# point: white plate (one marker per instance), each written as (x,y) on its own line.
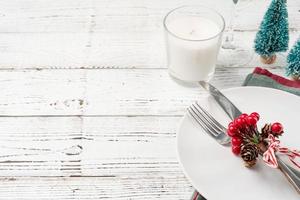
(215,172)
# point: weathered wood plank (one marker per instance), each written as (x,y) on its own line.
(121,16)
(103,92)
(107,34)
(104,51)
(140,50)
(136,154)
(40,146)
(88,146)
(95,188)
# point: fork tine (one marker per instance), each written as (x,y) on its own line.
(206,120)
(213,120)
(200,121)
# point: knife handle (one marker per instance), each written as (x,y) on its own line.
(289,174)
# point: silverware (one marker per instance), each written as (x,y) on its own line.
(218,132)
(209,124)
(232,111)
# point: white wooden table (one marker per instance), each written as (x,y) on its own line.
(87,108)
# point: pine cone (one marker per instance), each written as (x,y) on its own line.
(249,153)
(265,132)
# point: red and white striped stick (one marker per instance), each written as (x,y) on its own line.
(269,156)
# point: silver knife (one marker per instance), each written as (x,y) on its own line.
(233,112)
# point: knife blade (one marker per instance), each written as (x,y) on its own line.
(231,110)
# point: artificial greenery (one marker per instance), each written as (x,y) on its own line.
(273,35)
(293,60)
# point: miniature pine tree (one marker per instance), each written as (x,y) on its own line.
(273,35)
(293,60)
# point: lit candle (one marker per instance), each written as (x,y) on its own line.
(193,39)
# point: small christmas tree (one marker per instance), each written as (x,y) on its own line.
(273,35)
(293,60)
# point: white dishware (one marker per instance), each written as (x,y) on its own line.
(215,172)
(193,37)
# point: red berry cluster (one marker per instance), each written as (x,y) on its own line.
(239,127)
(244,129)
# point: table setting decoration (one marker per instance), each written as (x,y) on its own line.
(189,150)
(265,79)
(248,142)
(293,60)
(273,34)
(189,46)
(192,53)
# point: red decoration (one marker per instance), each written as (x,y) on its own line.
(277,128)
(274,146)
(236,149)
(236,141)
(248,142)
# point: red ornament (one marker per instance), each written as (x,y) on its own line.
(232,131)
(247,141)
(255,114)
(236,141)
(230,124)
(243,116)
(251,120)
(239,123)
(236,149)
(277,128)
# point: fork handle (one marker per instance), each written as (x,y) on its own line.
(289,174)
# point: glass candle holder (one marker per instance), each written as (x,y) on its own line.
(193,37)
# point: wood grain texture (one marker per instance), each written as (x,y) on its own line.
(126,16)
(87,108)
(116,158)
(103,92)
(88,146)
(94,188)
(107,51)
(108,34)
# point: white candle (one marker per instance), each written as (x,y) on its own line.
(193,44)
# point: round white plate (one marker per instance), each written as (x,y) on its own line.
(215,172)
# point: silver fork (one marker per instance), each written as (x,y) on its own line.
(218,132)
(209,124)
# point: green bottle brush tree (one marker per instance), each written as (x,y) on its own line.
(293,60)
(273,34)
